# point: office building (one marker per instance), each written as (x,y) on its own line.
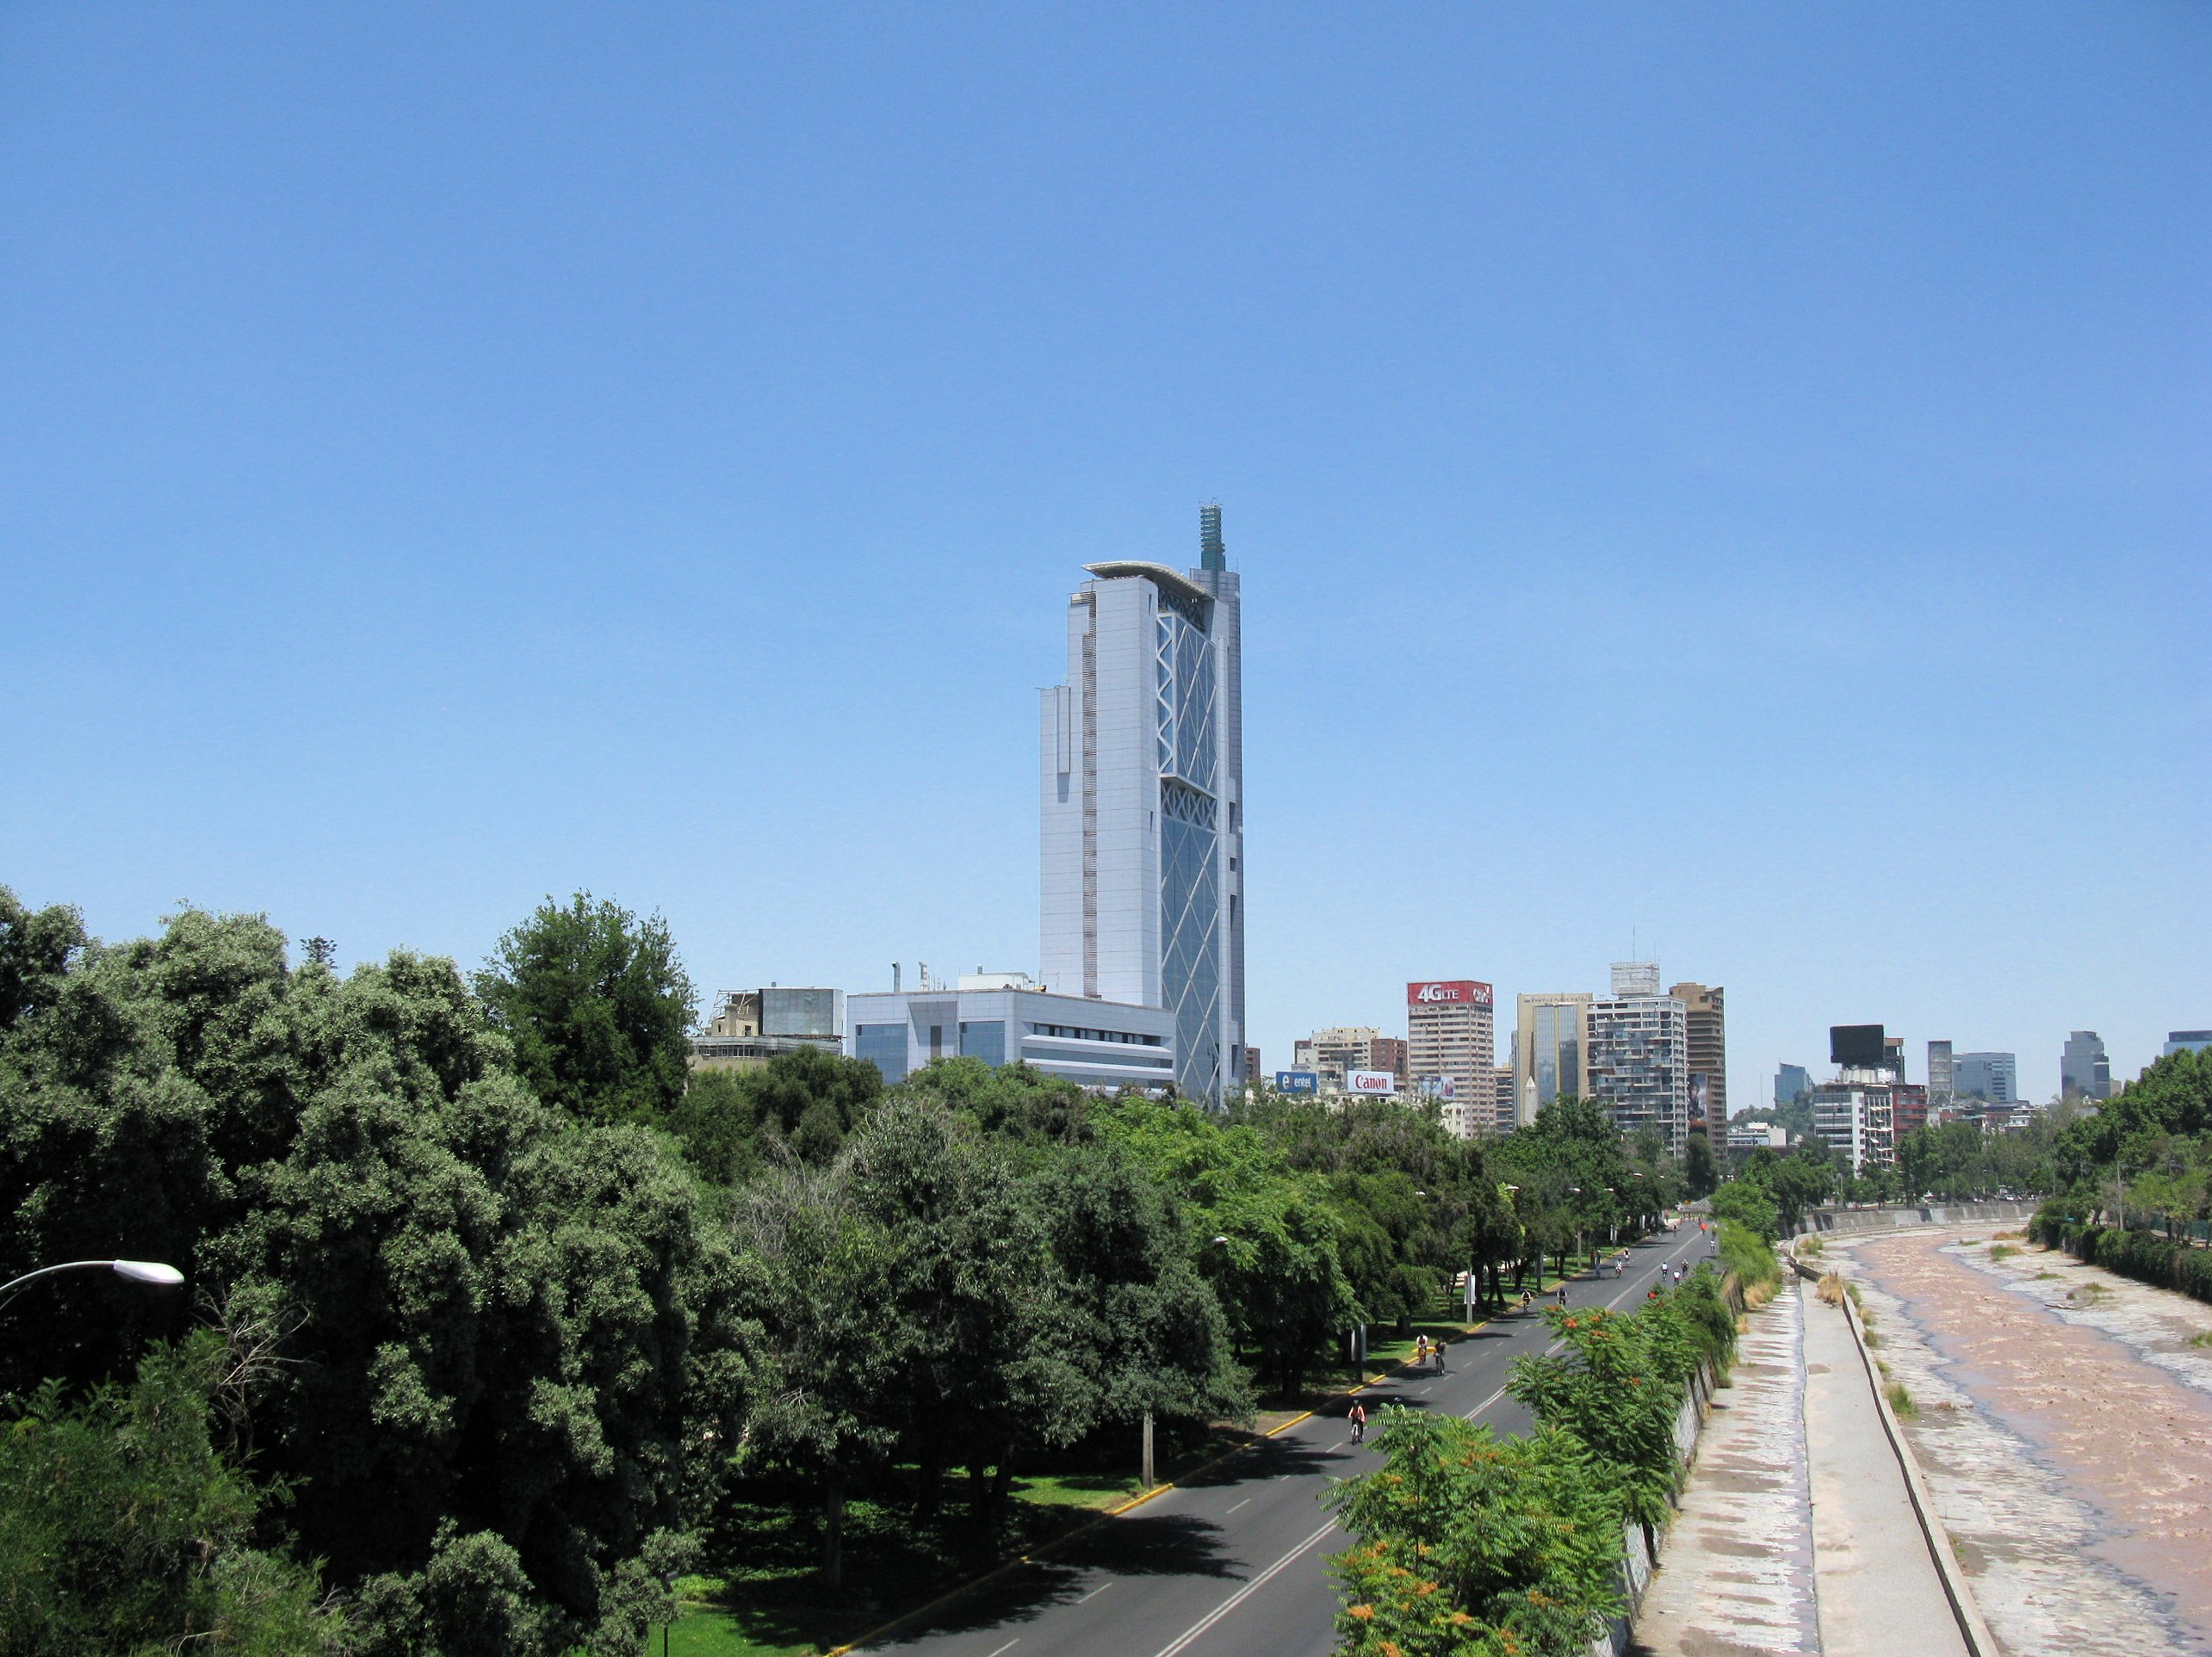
(1791,1083)
(1858,1119)
(1941,1083)
(2083,1069)
(1707,1029)
(751,1027)
(1892,1055)
(1550,1035)
(2186,1040)
(1450,1033)
(1103,1044)
(1637,1063)
(1747,1136)
(1142,769)
(1334,1053)
(1994,1077)
(1505,1113)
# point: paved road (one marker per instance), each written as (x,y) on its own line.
(1230,1562)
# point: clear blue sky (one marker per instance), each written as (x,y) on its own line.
(1735,477)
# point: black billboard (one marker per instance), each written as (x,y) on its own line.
(1856,1047)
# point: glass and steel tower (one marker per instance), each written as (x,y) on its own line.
(1143,804)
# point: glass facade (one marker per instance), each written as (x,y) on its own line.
(984,1039)
(1557,1060)
(883,1046)
(1190,953)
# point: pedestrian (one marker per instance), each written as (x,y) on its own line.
(1358,1417)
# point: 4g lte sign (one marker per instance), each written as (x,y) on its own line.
(1458,992)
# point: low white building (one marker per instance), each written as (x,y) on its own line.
(1103,1044)
(1858,1116)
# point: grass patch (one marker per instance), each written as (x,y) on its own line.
(2002,1251)
(1809,1247)
(1873,1340)
(703,1631)
(1857,1299)
(1831,1289)
(2201,1337)
(1079,1489)
(1901,1401)
(2040,1276)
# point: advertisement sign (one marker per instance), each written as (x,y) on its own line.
(1296,1081)
(1438,1087)
(1381,1083)
(1453,991)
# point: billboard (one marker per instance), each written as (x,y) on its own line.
(1856,1047)
(1438,1087)
(1383,1084)
(1449,992)
(1296,1081)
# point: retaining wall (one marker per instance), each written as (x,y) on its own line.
(1851,1221)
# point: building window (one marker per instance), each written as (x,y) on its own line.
(986,1040)
(883,1046)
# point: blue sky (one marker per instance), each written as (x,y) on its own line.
(1732,478)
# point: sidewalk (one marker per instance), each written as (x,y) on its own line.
(1736,1574)
(1878,1592)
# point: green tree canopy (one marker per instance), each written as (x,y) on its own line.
(597,1006)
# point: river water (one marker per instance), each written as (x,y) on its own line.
(2065,1426)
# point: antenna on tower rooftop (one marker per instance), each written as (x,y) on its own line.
(1212,556)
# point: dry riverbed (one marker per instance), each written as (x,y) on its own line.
(2065,1425)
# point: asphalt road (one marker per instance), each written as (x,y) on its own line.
(1230,1565)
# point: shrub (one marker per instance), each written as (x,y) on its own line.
(1901,1401)
(1809,1247)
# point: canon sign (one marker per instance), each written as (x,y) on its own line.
(1458,992)
(1371,1081)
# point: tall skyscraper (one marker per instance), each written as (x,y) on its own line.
(1707,1026)
(1790,1081)
(1637,1063)
(1550,1037)
(1449,1033)
(1143,804)
(1992,1076)
(1940,1071)
(2082,1066)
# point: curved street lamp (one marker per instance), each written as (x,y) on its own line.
(153,1273)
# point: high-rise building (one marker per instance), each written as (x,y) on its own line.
(1505,1114)
(1992,1076)
(1940,1071)
(1707,1037)
(2186,1040)
(1790,1081)
(1143,804)
(1450,1033)
(1550,1035)
(1892,1055)
(1637,1064)
(2082,1066)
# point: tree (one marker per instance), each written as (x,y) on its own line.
(1749,1202)
(1471,1545)
(806,1100)
(597,1006)
(1700,1176)
(124,1531)
(503,1322)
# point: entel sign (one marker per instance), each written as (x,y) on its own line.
(1463,991)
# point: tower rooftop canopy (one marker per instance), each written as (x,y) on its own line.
(1160,575)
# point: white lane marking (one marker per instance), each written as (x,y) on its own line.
(1247,1502)
(1009,1645)
(1485,1404)
(1085,1600)
(1184,1639)
(1338,1445)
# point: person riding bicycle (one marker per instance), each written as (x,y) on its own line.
(1358,1416)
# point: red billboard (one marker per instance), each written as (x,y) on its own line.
(1456,992)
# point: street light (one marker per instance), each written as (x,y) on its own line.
(153,1273)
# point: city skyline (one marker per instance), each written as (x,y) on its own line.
(445,473)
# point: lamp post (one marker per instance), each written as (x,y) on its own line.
(153,1273)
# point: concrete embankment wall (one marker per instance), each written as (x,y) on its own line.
(1637,1561)
(1847,1222)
